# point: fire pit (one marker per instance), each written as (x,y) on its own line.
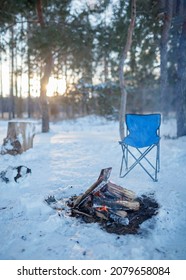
(115,208)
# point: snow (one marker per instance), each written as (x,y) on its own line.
(66,161)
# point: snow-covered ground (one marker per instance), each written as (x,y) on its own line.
(66,161)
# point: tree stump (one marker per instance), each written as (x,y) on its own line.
(19,138)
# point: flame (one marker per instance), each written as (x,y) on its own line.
(102,208)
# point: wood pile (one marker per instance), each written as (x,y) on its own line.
(117,209)
(105,200)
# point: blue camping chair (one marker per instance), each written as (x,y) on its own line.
(143,134)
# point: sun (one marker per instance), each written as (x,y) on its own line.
(56,86)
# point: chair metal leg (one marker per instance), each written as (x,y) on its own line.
(126,150)
(157,162)
(121,168)
(158,154)
(126,157)
(146,158)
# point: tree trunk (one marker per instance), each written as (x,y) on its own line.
(181,84)
(48,64)
(1,82)
(121,74)
(29,74)
(167,19)
(12,100)
(43,96)
(106,72)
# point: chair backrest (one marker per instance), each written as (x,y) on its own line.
(143,128)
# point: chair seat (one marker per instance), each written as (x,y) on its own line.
(139,141)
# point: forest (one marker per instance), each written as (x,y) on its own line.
(64,59)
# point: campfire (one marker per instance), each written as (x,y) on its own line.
(116,209)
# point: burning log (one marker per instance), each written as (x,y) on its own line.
(103,177)
(121,192)
(75,211)
(121,213)
(131,205)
